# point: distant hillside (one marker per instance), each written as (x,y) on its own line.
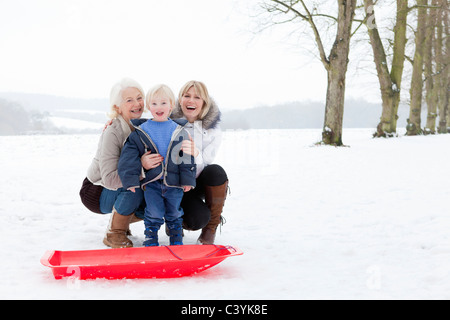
(23,113)
(15,120)
(46,113)
(305,115)
(91,110)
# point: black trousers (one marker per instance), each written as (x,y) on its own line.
(196,212)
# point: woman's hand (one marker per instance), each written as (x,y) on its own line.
(188,146)
(187,188)
(151,161)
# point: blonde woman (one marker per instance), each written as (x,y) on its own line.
(102,190)
(203,205)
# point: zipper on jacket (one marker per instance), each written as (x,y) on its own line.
(146,150)
(174,135)
(177,130)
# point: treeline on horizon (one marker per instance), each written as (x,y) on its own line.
(17,119)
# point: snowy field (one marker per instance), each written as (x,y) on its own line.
(368,221)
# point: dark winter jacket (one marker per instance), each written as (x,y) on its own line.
(178,169)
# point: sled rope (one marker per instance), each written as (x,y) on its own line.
(173,253)
(220,248)
(207,256)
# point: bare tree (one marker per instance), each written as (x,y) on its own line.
(431,50)
(442,56)
(431,82)
(390,80)
(335,63)
(414,122)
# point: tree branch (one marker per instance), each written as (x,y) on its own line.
(417,6)
(309,19)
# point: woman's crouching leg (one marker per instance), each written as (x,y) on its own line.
(125,205)
(196,212)
(215,184)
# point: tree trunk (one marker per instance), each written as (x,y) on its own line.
(431,83)
(336,71)
(442,68)
(398,58)
(414,122)
(390,83)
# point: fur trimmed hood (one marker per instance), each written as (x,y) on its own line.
(210,121)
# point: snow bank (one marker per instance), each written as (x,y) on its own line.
(369,221)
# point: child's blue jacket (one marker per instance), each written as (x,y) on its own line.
(177,170)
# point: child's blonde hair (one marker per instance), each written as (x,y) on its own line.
(160,90)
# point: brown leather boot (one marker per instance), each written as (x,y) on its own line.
(215,199)
(134,219)
(116,234)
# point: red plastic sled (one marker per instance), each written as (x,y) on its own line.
(132,263)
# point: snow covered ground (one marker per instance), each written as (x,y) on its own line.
(368,221)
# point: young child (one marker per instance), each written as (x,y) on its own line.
(164,185)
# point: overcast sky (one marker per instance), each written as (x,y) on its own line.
(81,48)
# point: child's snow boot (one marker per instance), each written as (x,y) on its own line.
(176,235)
(151,237)
(168,232)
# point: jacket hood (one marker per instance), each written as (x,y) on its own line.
(138,122)
(210,121)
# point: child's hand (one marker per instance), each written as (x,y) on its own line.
(150,161)
(132,190)
(187,188)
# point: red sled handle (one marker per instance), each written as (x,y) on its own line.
(45,260)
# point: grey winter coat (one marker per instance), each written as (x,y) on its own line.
(103,168)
